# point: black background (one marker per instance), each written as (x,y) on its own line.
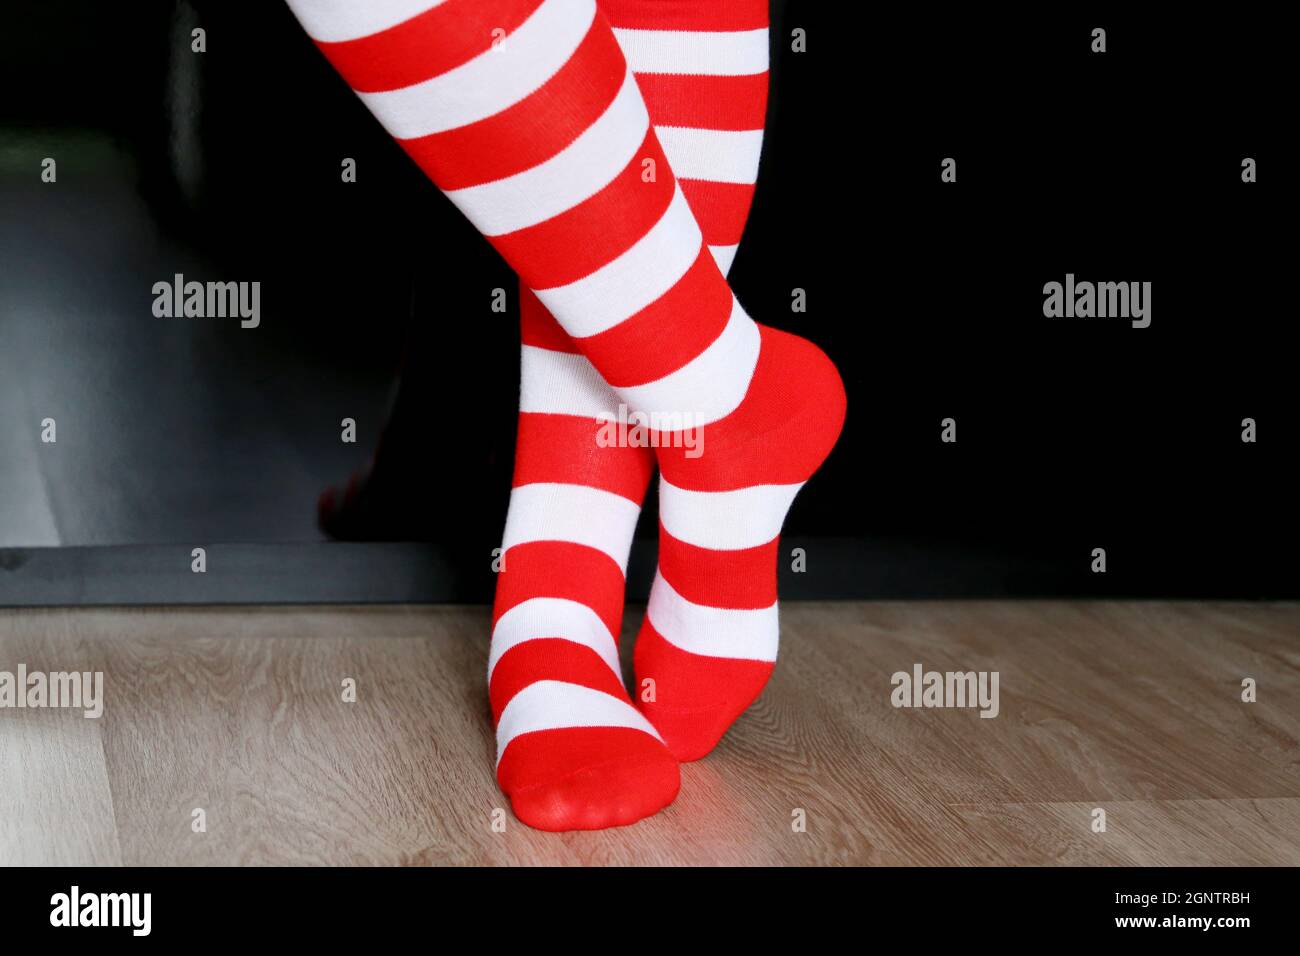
(1072,434)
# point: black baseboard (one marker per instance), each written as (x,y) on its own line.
(383,573)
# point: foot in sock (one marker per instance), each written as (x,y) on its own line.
(709,118)
(573,752)
(709,639)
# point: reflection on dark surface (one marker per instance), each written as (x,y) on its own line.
(225,166)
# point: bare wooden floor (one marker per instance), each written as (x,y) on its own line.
(1134,708)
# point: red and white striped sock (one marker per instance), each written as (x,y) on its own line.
(708,642)
(524,112)
(701,66)
(573,751)
(702,69)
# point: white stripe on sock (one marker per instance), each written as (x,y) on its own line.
(563,383)
(725,520)
(715,155)
(577,172)
(550,511)
(546,617)
(333,21)
(750,635)
(709,386)
(724,256)
(553,705)
(631,281)
(493,81)
(692,52)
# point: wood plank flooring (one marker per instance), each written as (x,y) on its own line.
(1134,708)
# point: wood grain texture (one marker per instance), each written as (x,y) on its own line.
(1132,707)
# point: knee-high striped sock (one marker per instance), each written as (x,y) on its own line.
(573,753)
(543,140)
(701,66)
(702,69)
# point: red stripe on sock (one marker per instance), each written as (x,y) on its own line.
(473,154)
(427,45)
(686,14)
(549,659)
(739,580)
(795,402)
(696,697)
(567,449)
(705,102)
(537,327)
(599,229)
(666,334)
(720,208)
(561,569)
